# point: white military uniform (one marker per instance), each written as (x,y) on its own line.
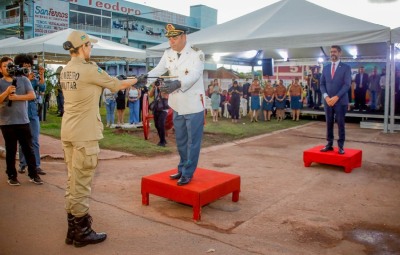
(82,84)
(189,70)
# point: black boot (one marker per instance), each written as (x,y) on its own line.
(84,234)
(70,234)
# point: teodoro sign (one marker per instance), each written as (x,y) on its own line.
(115,7)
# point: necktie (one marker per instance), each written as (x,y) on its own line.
(361,76)
(333,69)
(179,54)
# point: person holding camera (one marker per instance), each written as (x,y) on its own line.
(15,91)
(160,110)
(186,98)
(82,82)
(39,86)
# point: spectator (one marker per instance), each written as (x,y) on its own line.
(109,99)
(254,90)
(235,93)
(160,111)
(133,104)
(14,121)
(268,100)
(360,90)
(374,89)
(247,94)
(39,86)
(280,100)
(215,100)
(296,99)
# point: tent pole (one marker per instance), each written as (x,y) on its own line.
(386,95)
(392,88)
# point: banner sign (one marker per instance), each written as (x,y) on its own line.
(50,16)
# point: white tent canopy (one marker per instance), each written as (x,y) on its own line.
(9,41)
(395,35)
(51,49)
(301,28)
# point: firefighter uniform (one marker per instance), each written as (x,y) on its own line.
(82,83)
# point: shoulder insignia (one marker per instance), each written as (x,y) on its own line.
(100,70)
(194,48)
(201,57)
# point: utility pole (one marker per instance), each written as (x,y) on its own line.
(21,19)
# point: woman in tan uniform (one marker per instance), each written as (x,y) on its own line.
(82,83)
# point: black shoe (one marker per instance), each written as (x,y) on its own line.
(22,170)
(36,180)
(175,176)
(183,181)
(161,144)
(40,171)
(341,151)
(13,181)
(326,148)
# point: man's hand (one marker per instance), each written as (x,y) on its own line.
(11,89)
(141,81)
(331,101)
(170,86)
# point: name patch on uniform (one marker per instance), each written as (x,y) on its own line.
(68,80)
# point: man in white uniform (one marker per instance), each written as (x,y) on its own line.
(186,98)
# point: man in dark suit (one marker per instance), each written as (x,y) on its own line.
(335,84)
(360,90)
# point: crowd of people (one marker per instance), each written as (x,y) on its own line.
(270,99)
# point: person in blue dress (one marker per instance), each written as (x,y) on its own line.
(254,90)
(215,99)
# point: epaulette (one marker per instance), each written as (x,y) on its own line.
(195,49)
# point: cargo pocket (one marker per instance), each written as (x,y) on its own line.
(86,157)
(91,157)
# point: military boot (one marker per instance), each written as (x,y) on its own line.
(71,227)
(84,234)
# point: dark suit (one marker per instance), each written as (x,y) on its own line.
(360,91)
(339,86)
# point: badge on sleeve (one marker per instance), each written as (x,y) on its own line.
(100,70)
(201,57)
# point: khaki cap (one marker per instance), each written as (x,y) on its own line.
(78,38)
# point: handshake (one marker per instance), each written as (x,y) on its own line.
(165,86)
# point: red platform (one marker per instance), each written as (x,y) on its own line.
(205,187)
(350,160)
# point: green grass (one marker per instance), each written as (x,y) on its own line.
(132,141)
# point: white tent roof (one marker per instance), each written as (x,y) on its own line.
(395,35)
(301,28)
(9,41)
(51,46)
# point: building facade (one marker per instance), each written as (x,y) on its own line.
(125,22)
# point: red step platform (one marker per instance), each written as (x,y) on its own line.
(350,160)
(205,187)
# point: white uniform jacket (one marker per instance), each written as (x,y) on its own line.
(189,70)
